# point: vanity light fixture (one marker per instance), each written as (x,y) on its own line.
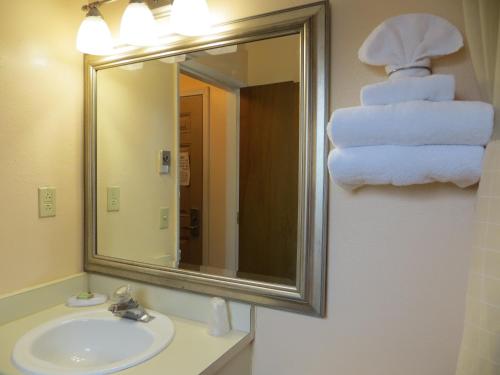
(94,36)
(190,17)
(138,28)
(138,25)
(223,50)
(173,59)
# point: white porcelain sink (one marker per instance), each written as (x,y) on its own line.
(90,343)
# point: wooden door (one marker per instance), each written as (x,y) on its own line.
(191,181)
(269,140)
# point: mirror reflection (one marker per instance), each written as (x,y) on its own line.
(198,160)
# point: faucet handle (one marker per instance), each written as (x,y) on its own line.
(123,294)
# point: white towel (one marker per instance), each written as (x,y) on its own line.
(413,123)
(405,165)
(437,88)
(410,40)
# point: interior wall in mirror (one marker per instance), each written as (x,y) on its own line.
(205,161)
(226,203)
(137,117)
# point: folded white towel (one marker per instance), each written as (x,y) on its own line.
(437,88)
(413,123)
(405,165)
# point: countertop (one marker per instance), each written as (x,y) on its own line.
(192,351)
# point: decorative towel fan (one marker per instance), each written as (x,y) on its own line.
(406,44)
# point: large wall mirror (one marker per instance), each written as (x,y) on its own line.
(205,161)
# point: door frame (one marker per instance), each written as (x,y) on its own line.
(232,88)
(205,93)
(232,257)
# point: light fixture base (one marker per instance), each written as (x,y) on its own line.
(155,4)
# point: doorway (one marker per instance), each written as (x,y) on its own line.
(193,181)
(208,245)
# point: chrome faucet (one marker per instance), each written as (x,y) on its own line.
(127,307)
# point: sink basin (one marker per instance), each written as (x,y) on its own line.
(90,343)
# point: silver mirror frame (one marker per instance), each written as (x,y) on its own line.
(308,296)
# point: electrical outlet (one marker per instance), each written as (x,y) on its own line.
(164,213)
(46,201)
(113,198)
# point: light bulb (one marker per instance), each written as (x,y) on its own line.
(190,17)
(138,26)
(94,36)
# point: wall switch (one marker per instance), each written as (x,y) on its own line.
(46,201)
(164,213)
(113,198)
(164,160)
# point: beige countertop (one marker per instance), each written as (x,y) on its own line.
(192,351)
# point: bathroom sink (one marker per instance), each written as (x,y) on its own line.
(90,343)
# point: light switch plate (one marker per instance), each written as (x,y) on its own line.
(46,201)
(164,213)
(164,160)
(113,198)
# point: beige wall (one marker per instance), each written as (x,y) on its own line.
(273,60)
(222,179)
(257,63)
(136,118)
(230,69)
(40,141)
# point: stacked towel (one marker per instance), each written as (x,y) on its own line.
(402,165)
(408,129)
(437,87)
(415,135)
(412,124)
